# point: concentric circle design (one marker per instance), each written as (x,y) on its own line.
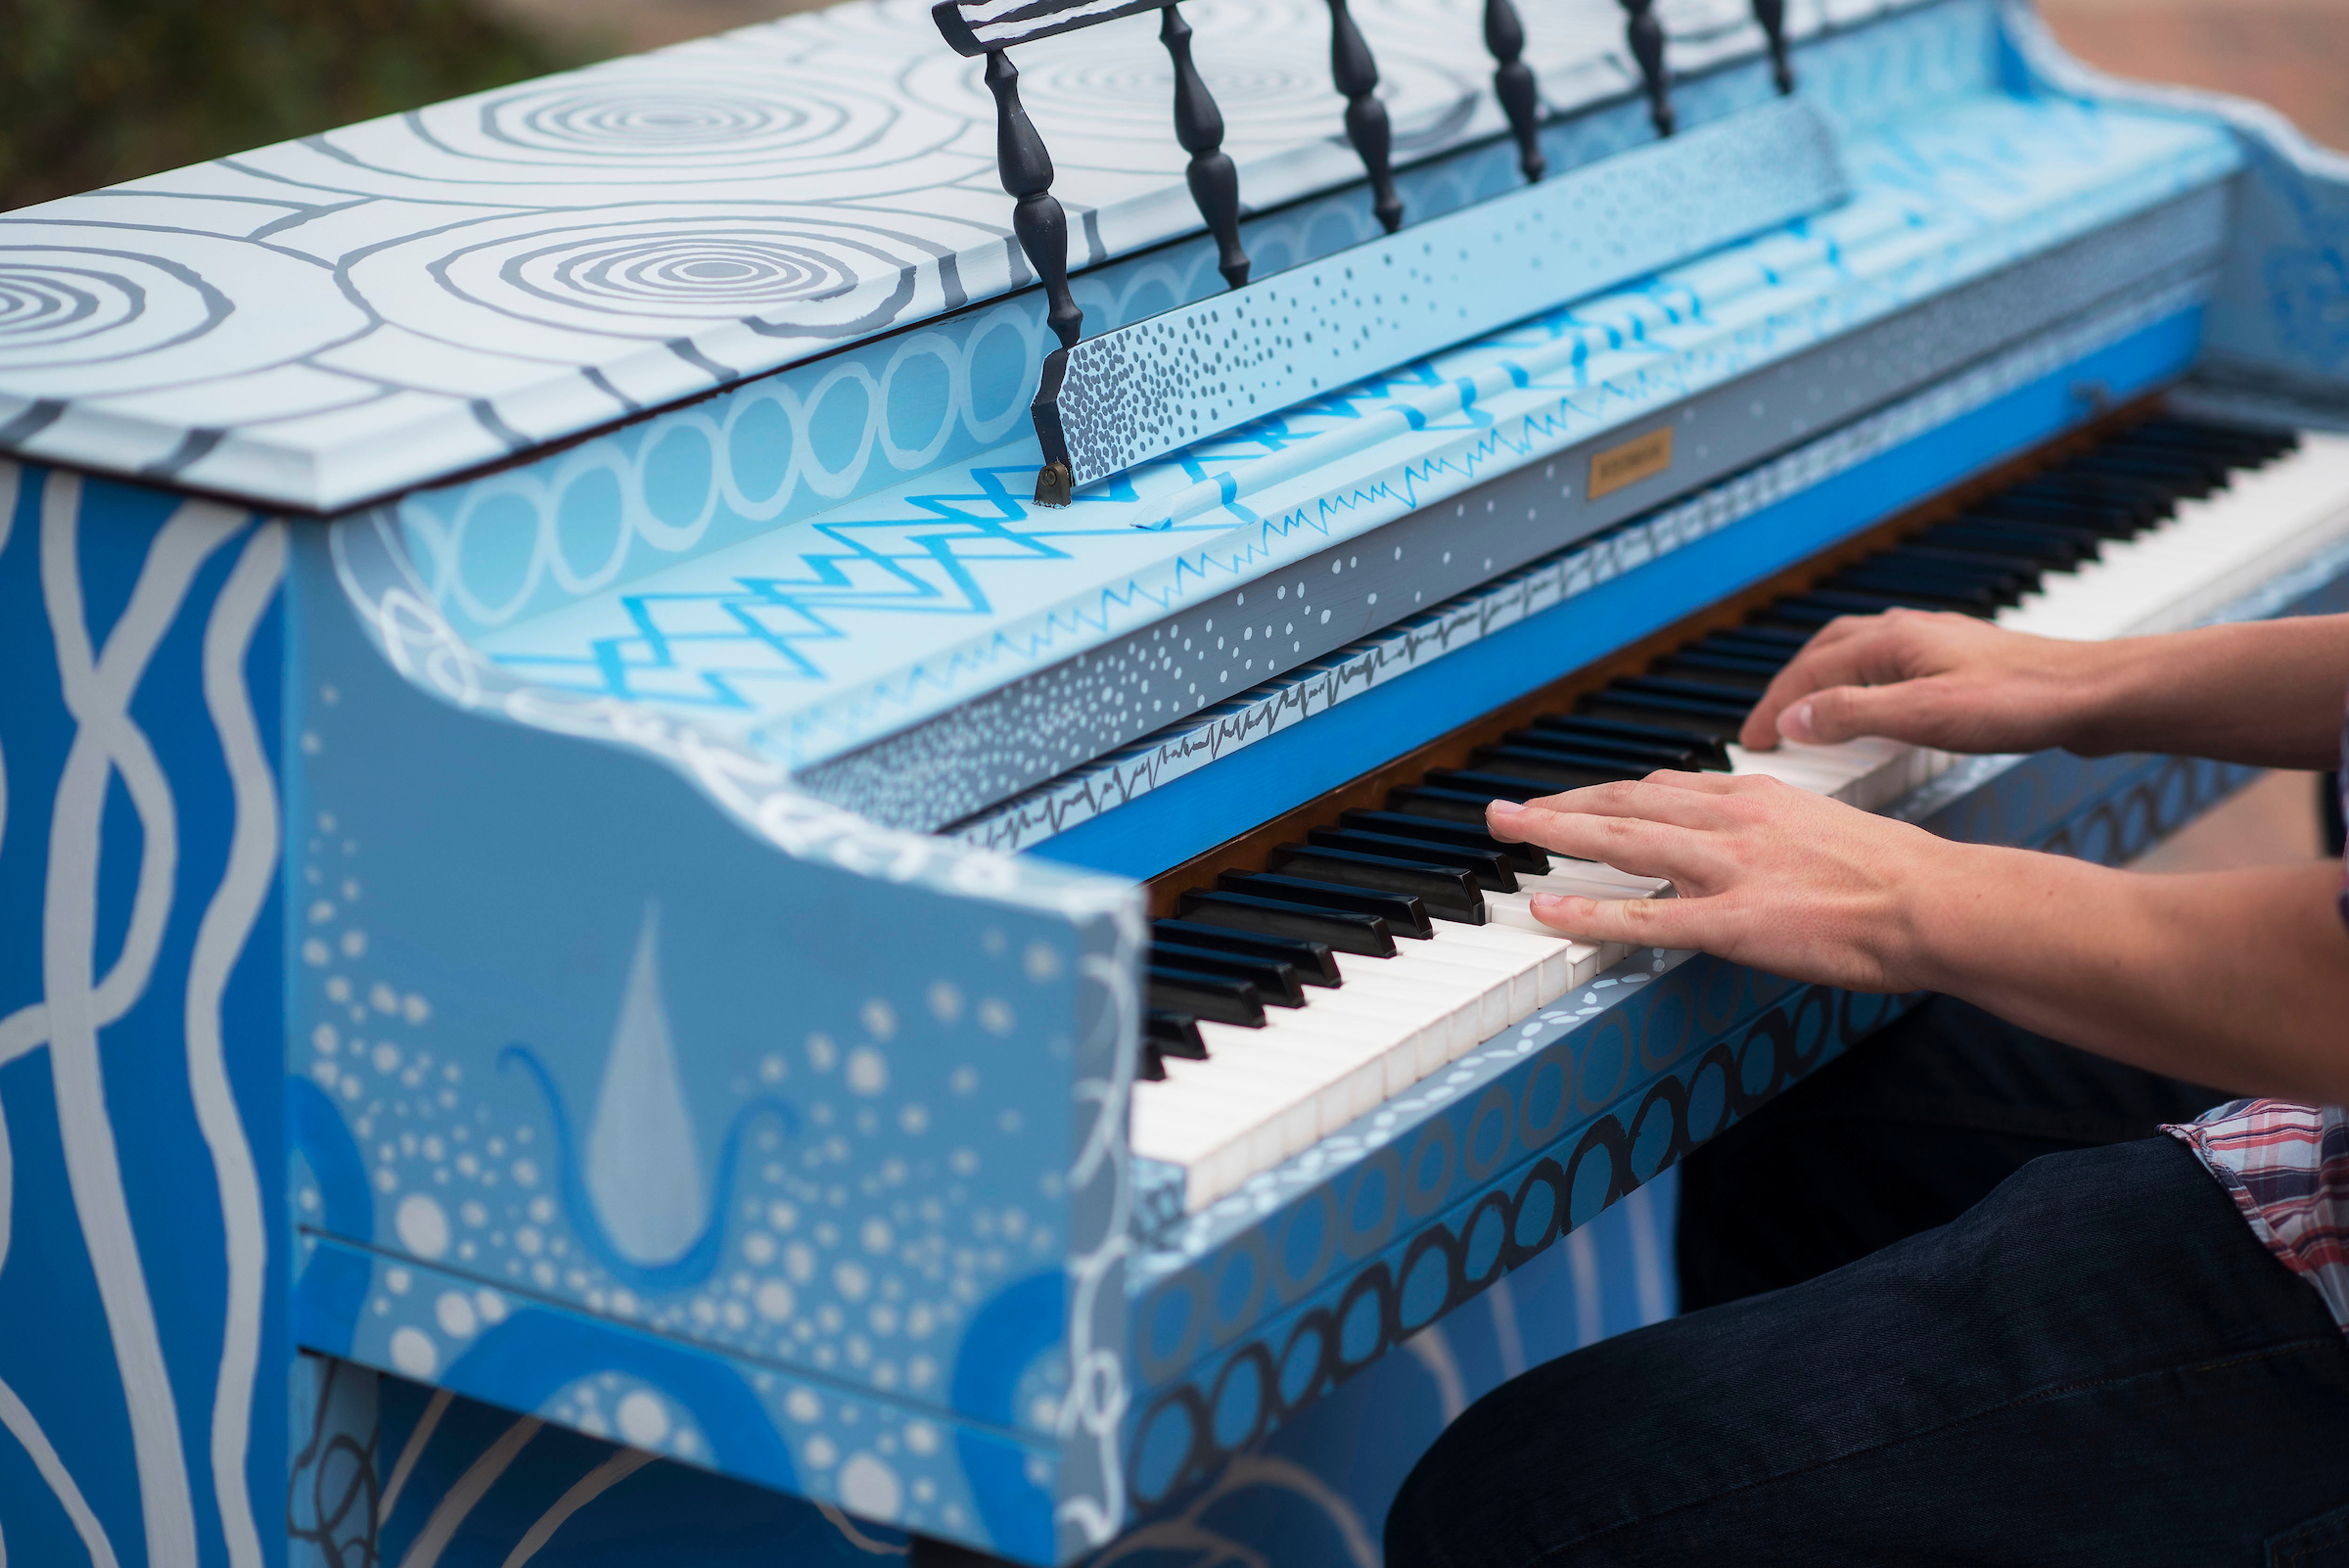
(69,306)
(738,272)
(652,120)
(651,117)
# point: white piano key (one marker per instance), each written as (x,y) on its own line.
(1347,1067)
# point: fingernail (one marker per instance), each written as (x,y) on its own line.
(1503,808)
(1795,722)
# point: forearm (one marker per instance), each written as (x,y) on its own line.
(2238,980)
(2265,693)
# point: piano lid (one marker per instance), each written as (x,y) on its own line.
(334,319)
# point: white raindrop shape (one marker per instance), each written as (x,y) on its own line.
(644,1170)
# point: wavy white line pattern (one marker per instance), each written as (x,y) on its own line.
(228,924)
(97,692)
(469,1487)
(589,1486)
(97,679)
(26,1430)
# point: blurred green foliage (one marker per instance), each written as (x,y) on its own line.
(96,91)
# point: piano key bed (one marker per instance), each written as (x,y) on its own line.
(736,933)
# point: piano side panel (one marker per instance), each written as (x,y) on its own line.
(1313,1494)
(143,1274)
(632,1092)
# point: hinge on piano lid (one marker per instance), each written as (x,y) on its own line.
(1056,480)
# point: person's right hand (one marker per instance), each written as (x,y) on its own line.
(1930,679)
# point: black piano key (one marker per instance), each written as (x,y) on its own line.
(1672,747)
(2192,445)
(1529,858)
(1404,915)
(1721,669)
(1204,996)
(1173,1034)
(1552,735)
(1823,605)
(1764,640)
(1443,890)
(2102,500)
(1275,982)
(1339,930)
(1149,1062)
(1496,786)
(1489,867)
(1437,804)
(1725,699)
(1957,593)
(1311,960)
(2184,474)
(2144,497)
(1997,565)
(2055,547)
(1688,718)
(1557,770)
(2253,447)
(1655,697)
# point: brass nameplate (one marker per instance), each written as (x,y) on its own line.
(1640,457)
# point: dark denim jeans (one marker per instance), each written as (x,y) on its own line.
(1935,1310)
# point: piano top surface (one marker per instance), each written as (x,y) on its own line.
(330,320)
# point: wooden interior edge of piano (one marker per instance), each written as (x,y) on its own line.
(1246,851)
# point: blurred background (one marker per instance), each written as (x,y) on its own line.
(95,91)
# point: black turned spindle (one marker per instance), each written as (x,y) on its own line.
(1199,127)
(1647,37)
(1357,77)
(1036,217)
(1772,15)
(1513,84)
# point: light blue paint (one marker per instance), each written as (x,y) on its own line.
(1174,822)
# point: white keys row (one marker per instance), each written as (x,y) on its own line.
(1267,1093)
(2212,552)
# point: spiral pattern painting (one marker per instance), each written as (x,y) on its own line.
(325,321)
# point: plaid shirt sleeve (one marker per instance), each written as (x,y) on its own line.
(2287,1169)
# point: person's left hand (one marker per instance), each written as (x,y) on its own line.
(1767,874)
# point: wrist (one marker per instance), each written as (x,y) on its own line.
(2101,688)
(1961,907)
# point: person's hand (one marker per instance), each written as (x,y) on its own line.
(1767,874)
(1930,679)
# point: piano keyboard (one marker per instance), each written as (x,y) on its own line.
(1285,1002)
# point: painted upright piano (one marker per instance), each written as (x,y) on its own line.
(740,813)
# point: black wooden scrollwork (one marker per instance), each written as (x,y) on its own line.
(1513,85)
(1645,35)
(1357,77)
(1199,127)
